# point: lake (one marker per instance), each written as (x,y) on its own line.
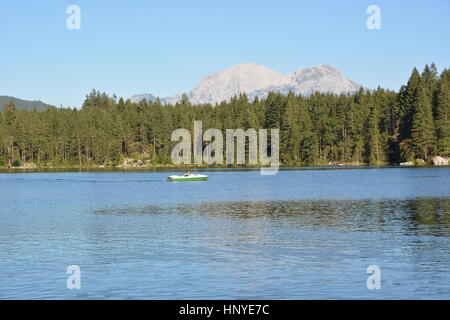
(299,234)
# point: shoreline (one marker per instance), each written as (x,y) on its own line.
(203,168)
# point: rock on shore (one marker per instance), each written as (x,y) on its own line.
(440,161)
(131,163)
(28,166)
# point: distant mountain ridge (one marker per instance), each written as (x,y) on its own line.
(23,104)
(257,81)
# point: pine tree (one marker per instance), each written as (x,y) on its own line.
(11,131)
(10,113)
(443,115)
(408,104)
(310,149)
(372,137)
(185,100)
(422,131)
(290,131)
(274,111)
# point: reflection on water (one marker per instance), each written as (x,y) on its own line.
(427,216)
(302,249)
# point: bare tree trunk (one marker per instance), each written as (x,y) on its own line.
(79,151)
(154,149)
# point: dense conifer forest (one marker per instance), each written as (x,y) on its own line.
(367,127)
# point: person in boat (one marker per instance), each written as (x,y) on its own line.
(186,173)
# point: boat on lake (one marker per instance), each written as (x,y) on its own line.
(188,177)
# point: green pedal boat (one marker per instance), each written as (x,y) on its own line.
(188,177)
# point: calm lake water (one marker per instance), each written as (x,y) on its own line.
(300,234)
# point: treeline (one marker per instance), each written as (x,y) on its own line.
(374,127)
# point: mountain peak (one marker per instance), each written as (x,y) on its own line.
(244,69)
(246,65)
(328,66)
(257,81)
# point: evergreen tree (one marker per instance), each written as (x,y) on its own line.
(372,137)
(274,111)
(10,113)
(408,104)
(443,115)
(422,131)
(290,131)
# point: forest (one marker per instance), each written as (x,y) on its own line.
(375,127)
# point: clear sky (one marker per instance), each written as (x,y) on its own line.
(166,47)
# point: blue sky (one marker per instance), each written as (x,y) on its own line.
(167,47)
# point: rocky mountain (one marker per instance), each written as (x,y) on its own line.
(257,81)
